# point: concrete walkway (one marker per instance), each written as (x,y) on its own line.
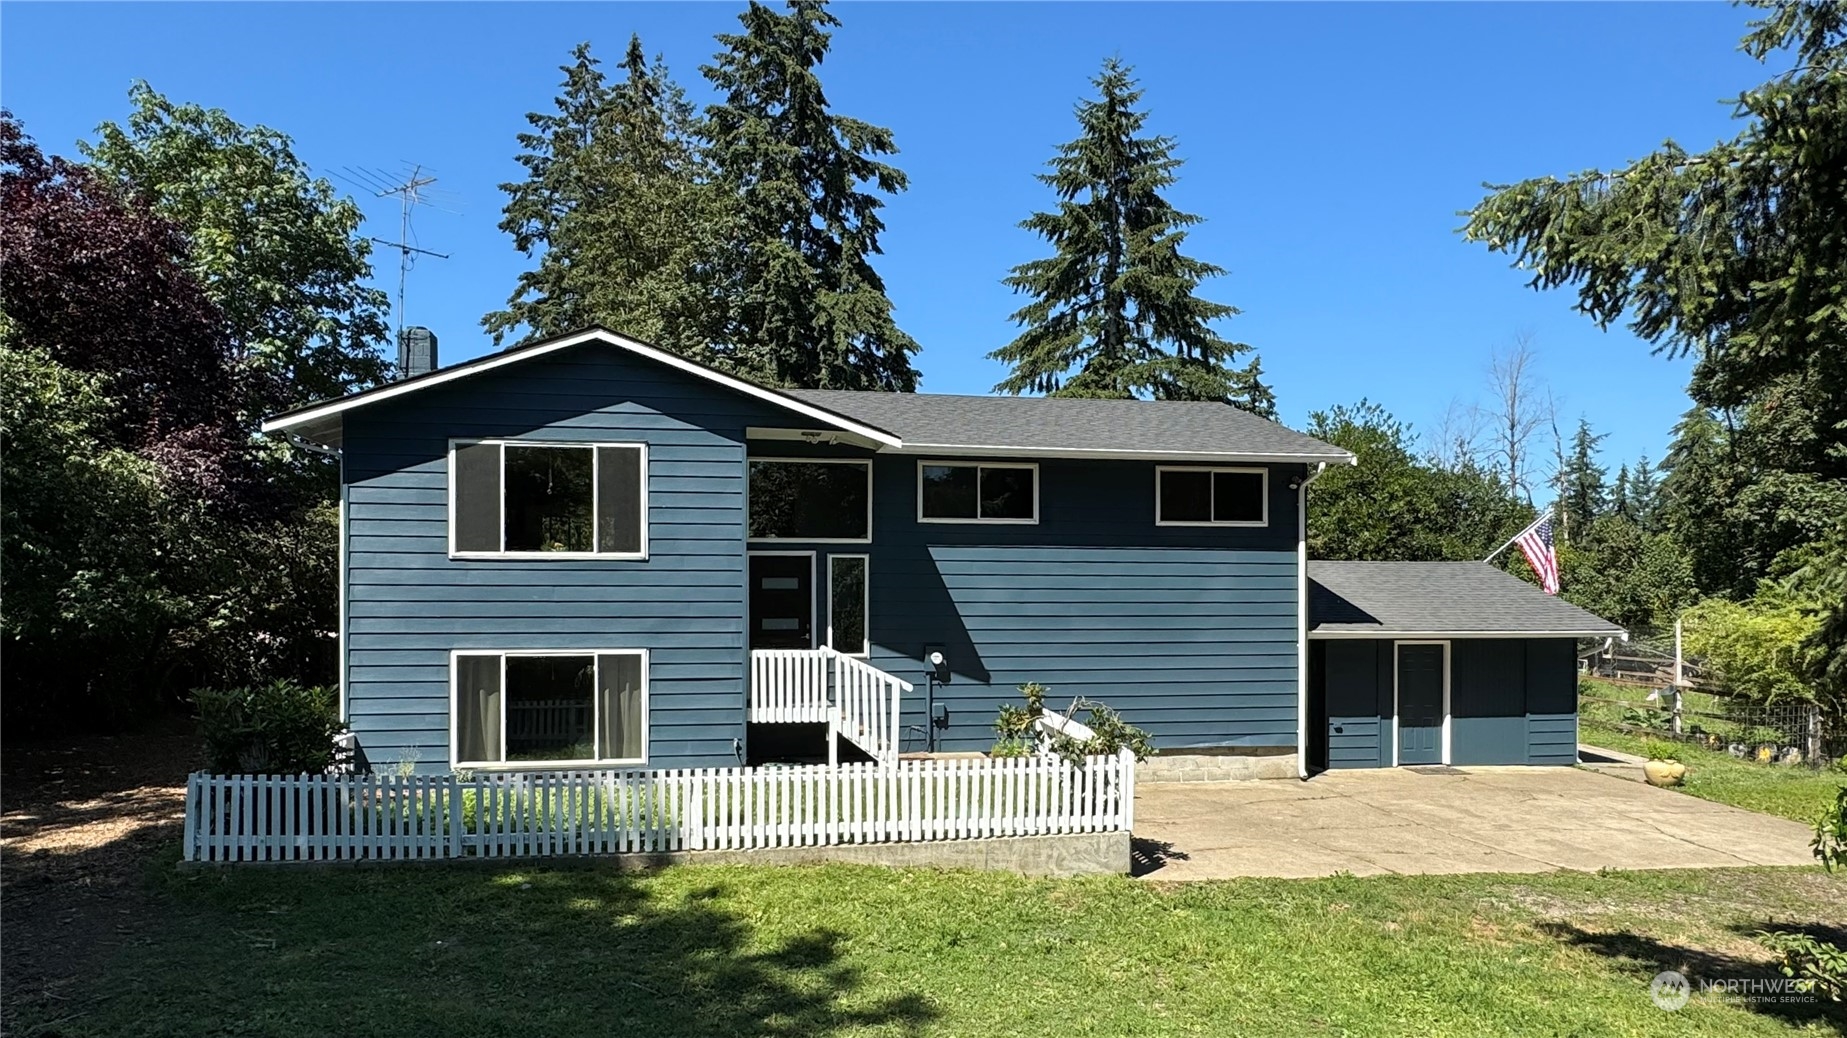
(1446,820)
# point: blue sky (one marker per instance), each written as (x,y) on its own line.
(1329,147)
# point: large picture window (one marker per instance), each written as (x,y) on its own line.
(952,492)
(549,499)
(1212,497)
(551,708)
(824,501)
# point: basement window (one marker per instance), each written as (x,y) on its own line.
(550,708)
(511,498)
(1212,496)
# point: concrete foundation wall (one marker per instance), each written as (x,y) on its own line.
(1216,767)
(1072,854)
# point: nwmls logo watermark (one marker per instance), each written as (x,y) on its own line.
(1670,989)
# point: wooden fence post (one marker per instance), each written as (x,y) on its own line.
(1811,753)
(1674,720)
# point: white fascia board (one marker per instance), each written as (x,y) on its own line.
(295,419)
(1412,635)
(981,451)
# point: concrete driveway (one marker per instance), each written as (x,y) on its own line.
(1445,820)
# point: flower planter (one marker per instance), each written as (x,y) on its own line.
(1664,773)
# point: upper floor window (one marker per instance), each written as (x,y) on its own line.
(967,492)
(810,500)
(1212,497)
(551,500)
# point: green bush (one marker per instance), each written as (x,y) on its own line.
(275,728)
(1817,967)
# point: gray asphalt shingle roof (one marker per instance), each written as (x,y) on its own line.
(1032,424)
(1433,598)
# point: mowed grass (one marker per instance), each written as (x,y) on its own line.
(1790,791)
(845,950)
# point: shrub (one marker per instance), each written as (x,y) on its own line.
(275,728)
(1657,749)
(1816,966)
(1112,734)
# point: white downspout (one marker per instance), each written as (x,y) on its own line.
(1301,618)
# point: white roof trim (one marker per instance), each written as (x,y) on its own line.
(1383,634)
(982,451)
(331,409)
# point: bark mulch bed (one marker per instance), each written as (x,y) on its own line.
(81,822)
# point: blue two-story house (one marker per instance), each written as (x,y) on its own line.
(589,552)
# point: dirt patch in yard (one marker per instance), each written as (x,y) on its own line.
(80,823)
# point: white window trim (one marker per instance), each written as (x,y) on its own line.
(596,466)
(596,710)
(1448,656)
(814,626)
(865,649)
(965,463)
(867,462)
(1159,470)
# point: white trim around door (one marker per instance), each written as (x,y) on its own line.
(1444,745)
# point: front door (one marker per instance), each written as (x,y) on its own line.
(782,601)
(1421,671)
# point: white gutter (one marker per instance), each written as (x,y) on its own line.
(1301,617)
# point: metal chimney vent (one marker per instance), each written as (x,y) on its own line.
(416,351)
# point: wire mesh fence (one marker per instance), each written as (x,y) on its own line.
(1644,689)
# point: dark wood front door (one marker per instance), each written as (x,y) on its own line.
(1421,674)
(782,601)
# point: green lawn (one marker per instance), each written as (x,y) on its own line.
(1792,792)
(739,951)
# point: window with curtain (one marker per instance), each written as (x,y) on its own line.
(550,708)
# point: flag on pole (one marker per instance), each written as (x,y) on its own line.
(1536,545)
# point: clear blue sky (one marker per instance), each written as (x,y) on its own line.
(1328,146)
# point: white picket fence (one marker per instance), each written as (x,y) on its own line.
(250,818)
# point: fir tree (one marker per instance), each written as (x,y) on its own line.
(1114,310)
(1619,495)
(806,308)
(619,209)
(1581,488)
(1643,494)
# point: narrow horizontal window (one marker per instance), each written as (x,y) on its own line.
(546,709)
(1212,497)
(949,492)
(538,499)
(810,500)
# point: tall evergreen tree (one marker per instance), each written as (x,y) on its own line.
(1114,310)
(620,210)
(1619,495)
(1582,493)
(806,306)
(1645,494)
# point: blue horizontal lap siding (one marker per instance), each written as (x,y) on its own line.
(1187,632)
(409,605)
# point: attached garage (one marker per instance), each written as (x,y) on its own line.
(1440,663)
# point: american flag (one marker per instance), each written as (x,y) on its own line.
(1536,545)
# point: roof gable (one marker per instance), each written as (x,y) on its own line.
(321,421)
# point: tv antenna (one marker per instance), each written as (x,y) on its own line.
(412,191)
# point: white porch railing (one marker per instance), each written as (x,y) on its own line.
(241,818)
(853,698)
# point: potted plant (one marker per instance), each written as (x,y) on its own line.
(1663,767)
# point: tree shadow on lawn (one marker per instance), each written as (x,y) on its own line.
(1699,965)
(467,950)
